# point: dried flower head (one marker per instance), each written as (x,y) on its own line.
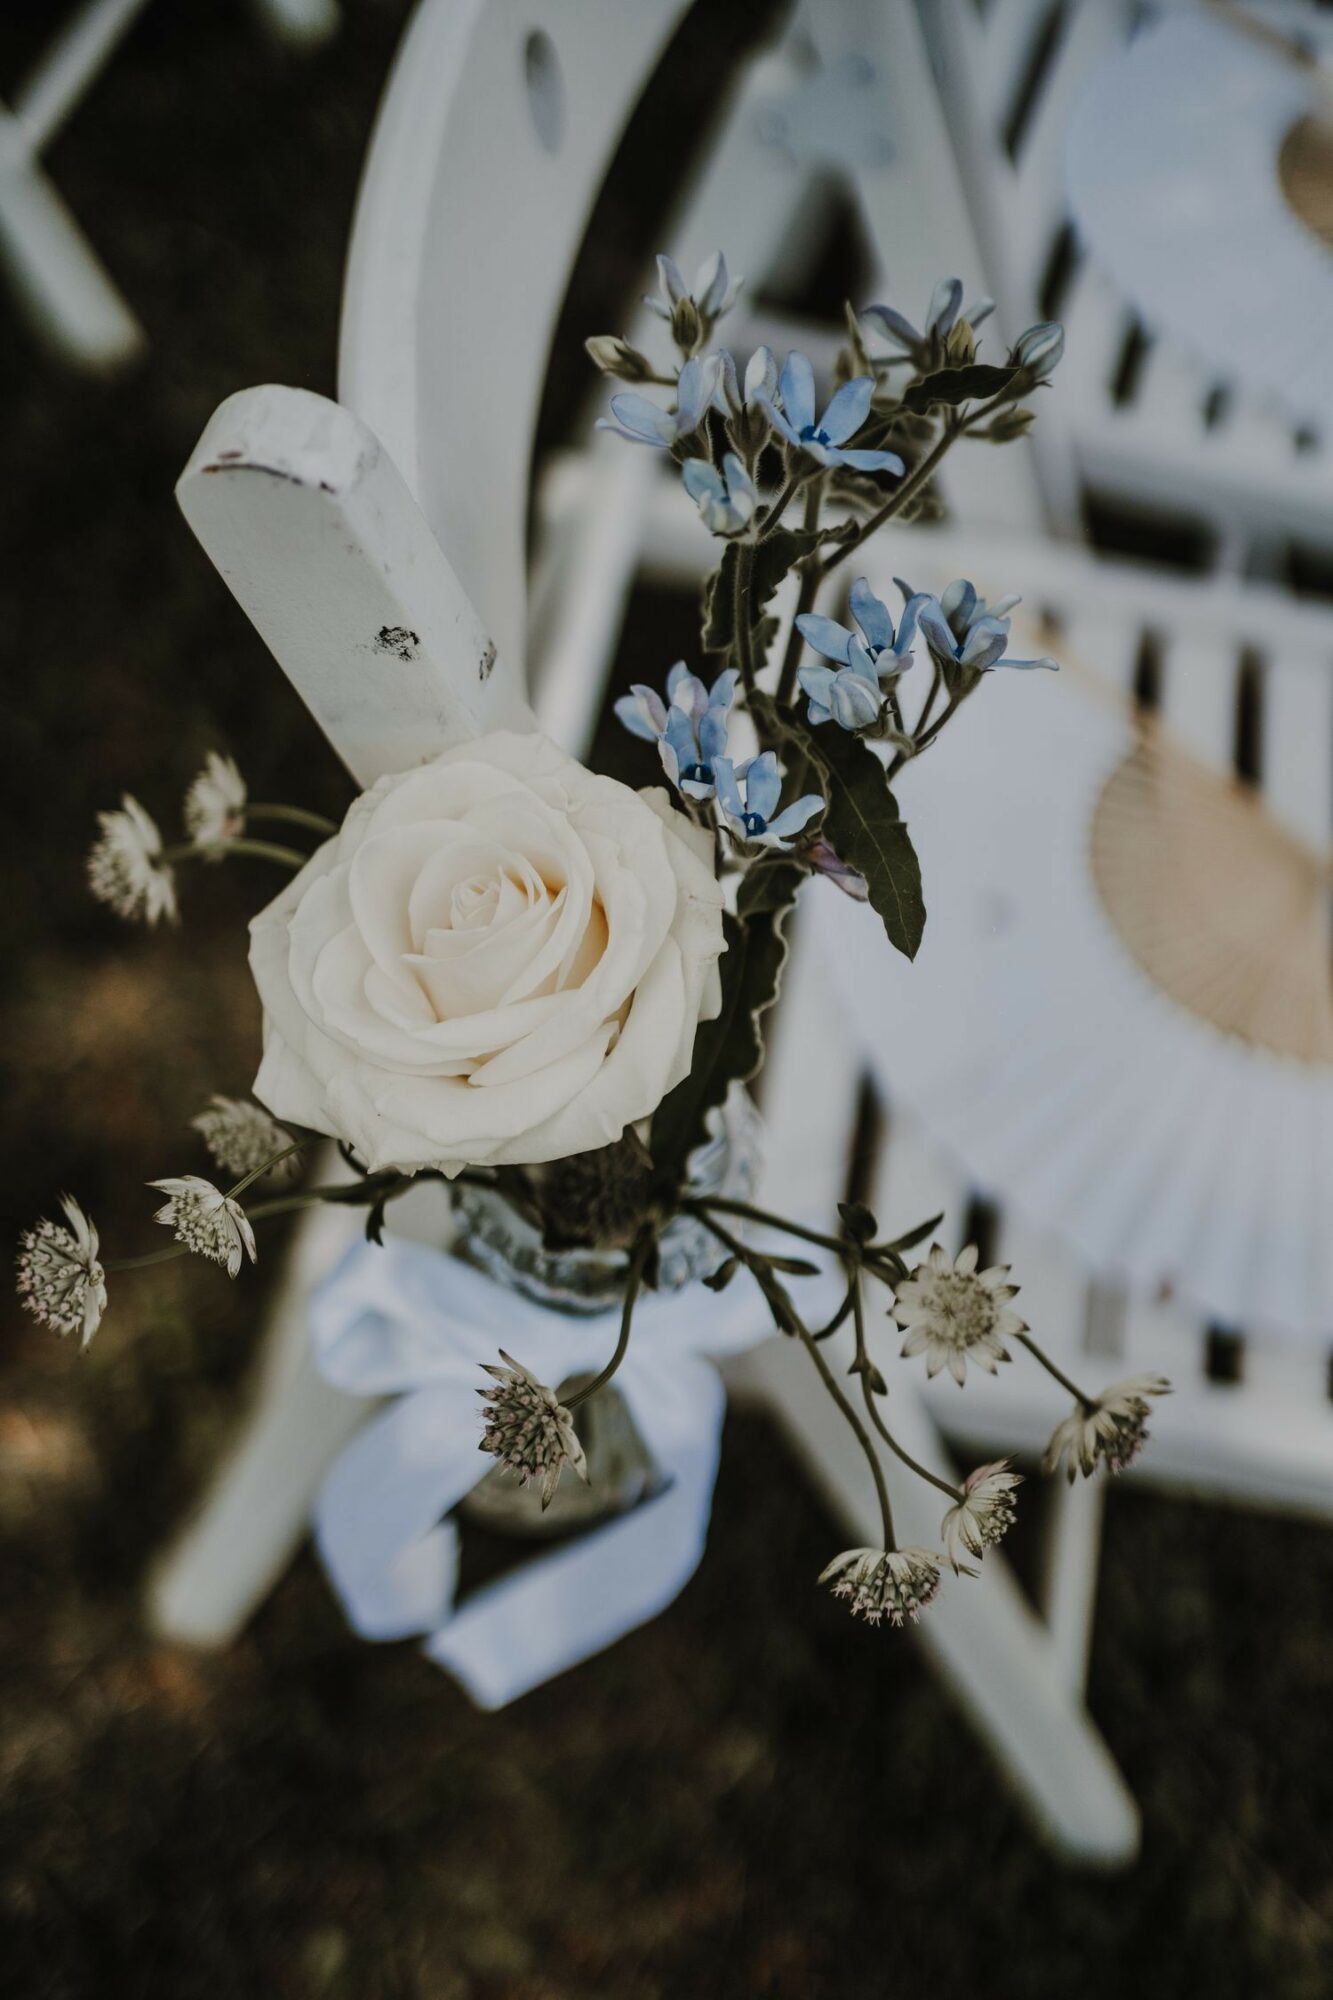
(215,807)
(896,1584)
(125,866)
(952,1312)
(528,1429)
(207,1221)
(983,1515)
(1111,1432)
(241,1136)
(60,1279)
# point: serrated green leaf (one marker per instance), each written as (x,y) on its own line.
(729,1049)
(769,562)
(958,385)
(864,827)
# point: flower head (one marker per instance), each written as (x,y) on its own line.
(927,345)
(954,1313)
(644,422)
(242,1136)
(726,500)
(207,1221)
(896,1584)
(215,807)
(983,1515)
(748,795)
(1111,1432)
(60,1279)
(966,636)
(689,729)
(692,315)
(851,692)
(1037,352)
(529,1429)
(825,439)
(125,866)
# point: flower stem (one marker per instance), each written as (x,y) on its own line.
(638,1259)
(872,1407)
(294,815)
(1089,1403)
(810,580)
(256,1173)
(859,1430)
(267,850)
(896,501)
(744,628)
(151,1257)
(779,507)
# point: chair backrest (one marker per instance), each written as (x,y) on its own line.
(493,139)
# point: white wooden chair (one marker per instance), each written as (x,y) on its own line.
(404,508)
(58,276)
(1131,418)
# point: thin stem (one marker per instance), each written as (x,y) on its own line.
(1079,1395)
(295,815)
(872,1408)
(638,1259)
(896,501)
(138,1263)
(697,1205)
(744,630)
(297,1146)
(810,580)
(779,506)
(862,1436)
(267,850)
(924,742)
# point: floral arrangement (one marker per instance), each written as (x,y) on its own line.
(504,972)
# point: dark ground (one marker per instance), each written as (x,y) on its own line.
(753,1796)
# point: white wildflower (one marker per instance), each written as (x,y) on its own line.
(215,807)
(60,1280)
(896,1584)
(207,1221)
(241,1136)
(528,1429)
(983,1515)
(1112,1432)
(954,1313)
(125,865)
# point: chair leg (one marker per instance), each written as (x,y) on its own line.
(258,1510)
(982,1635)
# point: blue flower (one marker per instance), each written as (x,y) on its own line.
(726,499)
(714,294)
(746,404)
(643,422)
(926,346)
(851,694)
(689,729)
(1037,352)
(823,441)
(966,636)
(749,811)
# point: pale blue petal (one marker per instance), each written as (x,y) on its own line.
(795,817)
(871,614)
(679,672)
(872,461)
(817,683)
(860,663)
(670,762)
(642,713)
(763,784)
(848,409)
(728,398)
(797,389)
(761,372)
(712,734)
(643,419)
(958,601)
(702,480)
(723,689)
(825,635)
(669,278)
(985,643)
(893,325)
(776,418)
(855,702)
(916,600)
(1054,665)
(680,735)
(694,391)
(728,791)
(944,303)
(710,286)
(937,633)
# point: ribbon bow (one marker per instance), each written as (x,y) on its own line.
(414,1323)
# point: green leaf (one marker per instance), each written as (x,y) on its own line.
(769,562)
(730,1049)
(858,1221)
(864,827)
(958,385)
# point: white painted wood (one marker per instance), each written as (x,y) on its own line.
(313,529)
(69,63)
(303,23)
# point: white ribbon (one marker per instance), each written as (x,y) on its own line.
(416,1324)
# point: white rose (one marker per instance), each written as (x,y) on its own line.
(500,959)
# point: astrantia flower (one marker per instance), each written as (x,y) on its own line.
(60,1280)
(1112,1433)
(825,439)
(125,865)
(926,346)
(528,1429)
(748,795)
(692,315)
(954,1313)
(983,1515)
(726,500)
(207,1221)
(850,694)
(215,807)
(241,1136)
(966,636)
(689,728)
(896,1584)
(643,422)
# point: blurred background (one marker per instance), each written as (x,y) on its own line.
(752,1795)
